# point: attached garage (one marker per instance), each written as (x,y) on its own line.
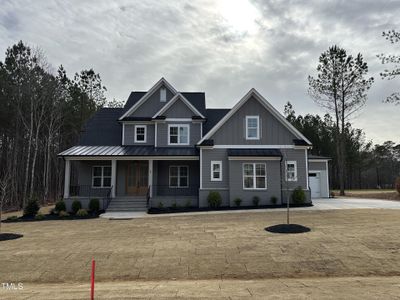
(318,176)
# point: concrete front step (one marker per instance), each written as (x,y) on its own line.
(127,204)
(125,209)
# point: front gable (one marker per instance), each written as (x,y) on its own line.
(178,107)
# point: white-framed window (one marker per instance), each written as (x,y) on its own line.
(254,176)
(101,176)
(140,133)
(178,134)
(178,176)
(163,94)
(291,171)
(252,127)
(216,170)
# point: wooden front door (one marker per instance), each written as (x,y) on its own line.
(137,180)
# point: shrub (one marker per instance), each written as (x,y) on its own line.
(31,208)
(298,196)
(82,213)
(12,218)
(63,214)
(76,205)
(94,205)
(39,217)
(237,201)
(397,184)
(160,205)
(174,205)
(332,195)
(274,200)
(60,205)
(214,199)
(256,200)
(188,203)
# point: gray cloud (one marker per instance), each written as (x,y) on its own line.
(270,45)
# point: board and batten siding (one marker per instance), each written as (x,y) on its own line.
(162,133)
(272,132)
(299,156)
(152,105)
(129,134)
(178,110)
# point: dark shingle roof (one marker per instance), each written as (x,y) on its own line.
(310,156)
(102,128)
(255,152)
(128,151)
(300,142)
(213,115)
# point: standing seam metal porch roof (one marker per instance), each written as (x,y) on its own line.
(255,152)
(128,151)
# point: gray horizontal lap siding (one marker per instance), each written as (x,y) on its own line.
(152,105)
(272,130)
(162,134)
(129,131)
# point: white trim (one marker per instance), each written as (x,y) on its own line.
(201,130)
(308,180)
(131,157)
(113,177)
(179,176)
(318,160)
(136,122)
(178,143)
(266,104)
(123,134)
(159,83)
(216,162)
(292,162)
(163,95)
(201,168)
(258,128)
(67,178)
(145,134)
(150,177)
(253,146)
(178,120)
(173,100)
(254,176)
(327,179)
(253,158)
(102,186)
(155,134)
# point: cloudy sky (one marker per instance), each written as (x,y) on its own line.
(223,48)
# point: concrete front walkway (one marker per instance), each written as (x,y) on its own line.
(319,204)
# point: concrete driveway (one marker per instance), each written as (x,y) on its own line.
(353,203)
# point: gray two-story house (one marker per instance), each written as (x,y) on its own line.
(165,148)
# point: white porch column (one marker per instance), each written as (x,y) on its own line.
(151,176)
(67,177)
(113,177)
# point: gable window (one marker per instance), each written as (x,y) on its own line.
(163,95)
(252,127)
(216,170)
(101,176)
(140,133)
(178,134)
(291,171)
(254,176)
(178,176)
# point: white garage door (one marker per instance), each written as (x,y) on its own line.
(315,184)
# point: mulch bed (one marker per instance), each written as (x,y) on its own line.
(9,236)
(52,217)
(288,228)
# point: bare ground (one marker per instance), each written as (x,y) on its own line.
(372,194)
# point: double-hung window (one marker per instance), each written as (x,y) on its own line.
(291,171)
(252,127)
(140,133)
(216,170)
(178,134)
(254,176)
(101,176)
(178,176)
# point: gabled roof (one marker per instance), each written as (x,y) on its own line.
(177,97)
(155,87)
(214,115)
(266,104)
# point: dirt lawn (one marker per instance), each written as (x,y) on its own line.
(218,249)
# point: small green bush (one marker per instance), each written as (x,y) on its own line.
(76,205)
(188,203)
(298,196)
(94,205)
(39,217)
(160,205)
(214,199)
(31,208)
(63,214)
(60,205)
(82,213)
(256,200)
(397,184)
(274,200)
(12,218)
(237,201)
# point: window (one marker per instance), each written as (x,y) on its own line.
(163,95)
(216,170)
(140,133)
(254,176)
(178,176)
(291,171)
(178,134)
(252,127)
(101,176)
